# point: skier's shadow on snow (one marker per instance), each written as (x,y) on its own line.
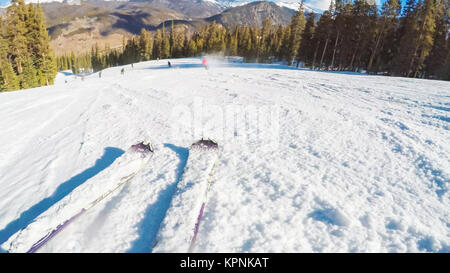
(182,65)
(110,154)
(155,213)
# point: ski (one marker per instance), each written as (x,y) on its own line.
(179,230)
(128,166)
(203,145)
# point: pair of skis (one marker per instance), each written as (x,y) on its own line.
(132,162)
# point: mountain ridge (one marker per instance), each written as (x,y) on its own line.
(75,26)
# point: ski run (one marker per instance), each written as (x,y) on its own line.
(305,161)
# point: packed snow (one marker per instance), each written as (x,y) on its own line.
(309,161)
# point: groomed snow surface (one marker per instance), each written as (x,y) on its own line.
(309,161)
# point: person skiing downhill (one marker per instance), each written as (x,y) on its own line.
(122,71)
(169,64)
(205,63)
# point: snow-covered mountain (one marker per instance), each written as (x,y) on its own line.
(316,6)
(310,5)
(253,13)
(309,161)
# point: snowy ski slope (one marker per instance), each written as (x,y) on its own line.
(353,163)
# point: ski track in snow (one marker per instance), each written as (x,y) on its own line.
(362,163)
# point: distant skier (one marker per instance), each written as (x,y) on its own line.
(205,63)
(132,66)
(122,71)
(169,64)
(100,74)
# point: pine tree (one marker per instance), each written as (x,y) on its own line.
(438,62)
(284,50)
(389,12)
(28,79)
(277,42)
(364,18)
(426,34)
(266,32)
(157,45)
(16,30)
(172,38)
(165,44)
(407,33)
(8,78)
(322,36)
(145,45)
(214,38)
(28,49)
(345,39)
(45,59)
(306,49)
(233,42)
(177,43)
(191,48)
(245,43)
(96,60)
(297,26)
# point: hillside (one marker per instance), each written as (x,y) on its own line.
(253,14)
(77,26)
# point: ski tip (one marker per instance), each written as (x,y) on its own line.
(206,144)
(142,147)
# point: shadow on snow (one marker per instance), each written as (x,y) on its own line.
(155,213)
(212,65)
(110,154)
(175,65)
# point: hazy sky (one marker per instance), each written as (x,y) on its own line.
(320,4)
